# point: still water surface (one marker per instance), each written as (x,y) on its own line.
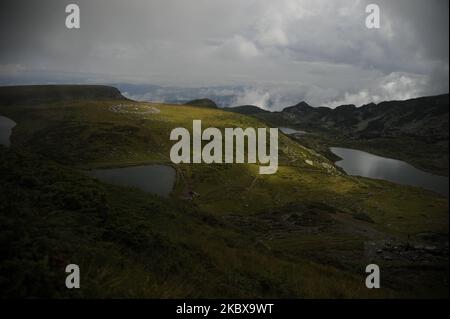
(355,162)
(6,126)
(155,179)
(288,131)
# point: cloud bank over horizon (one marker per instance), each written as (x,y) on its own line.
(260,52)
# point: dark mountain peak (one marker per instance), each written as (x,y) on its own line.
(299,107)
(202,103)
(302,104)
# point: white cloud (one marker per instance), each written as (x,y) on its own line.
(317,50)
(238,47)
(258,97)
(11,69)
(395,86)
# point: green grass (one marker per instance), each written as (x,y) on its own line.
(236,239)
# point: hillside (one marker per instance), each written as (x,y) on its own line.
(307,231)
(36,94)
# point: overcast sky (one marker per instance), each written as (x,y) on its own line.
(316,50)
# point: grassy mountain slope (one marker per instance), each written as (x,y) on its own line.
(307,231)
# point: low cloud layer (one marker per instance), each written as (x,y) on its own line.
(280,51)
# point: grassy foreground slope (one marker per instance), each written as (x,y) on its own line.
(307,231)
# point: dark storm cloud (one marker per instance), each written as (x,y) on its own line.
(281,50)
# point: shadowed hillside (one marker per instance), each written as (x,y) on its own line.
(35,94)
(307,231)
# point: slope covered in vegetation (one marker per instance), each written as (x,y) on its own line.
(306,231)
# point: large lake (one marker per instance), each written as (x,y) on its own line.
(6,126)
(155,179)
(364,164)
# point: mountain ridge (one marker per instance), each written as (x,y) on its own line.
(205,102)
(419,117)
(414,130)
(20,94)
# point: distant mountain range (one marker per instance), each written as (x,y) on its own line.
(425,118)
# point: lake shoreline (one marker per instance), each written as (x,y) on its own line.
(361,163)
(6,127)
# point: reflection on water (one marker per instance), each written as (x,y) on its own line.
(288,131)
(360,163)
(155,179)
(6,126)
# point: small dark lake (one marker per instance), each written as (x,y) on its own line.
(359,163)
(155,179)
(6,126)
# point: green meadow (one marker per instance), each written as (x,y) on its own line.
(307,231)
